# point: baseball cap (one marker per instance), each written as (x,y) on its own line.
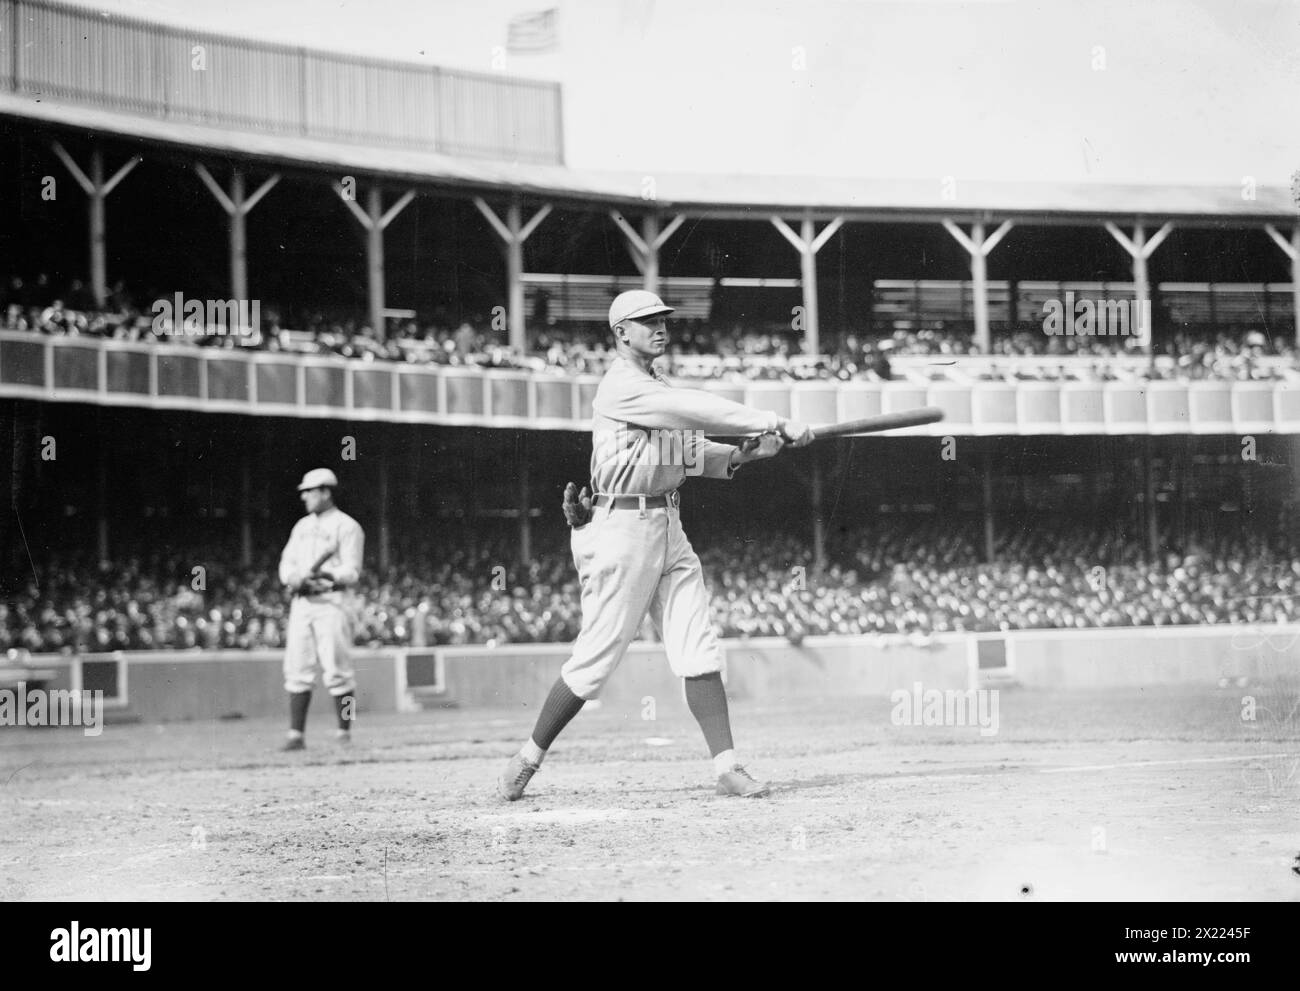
(635,304)
(318,478)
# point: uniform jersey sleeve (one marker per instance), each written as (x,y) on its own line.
(352,542)
(647,402)
(716,459)
(290,568)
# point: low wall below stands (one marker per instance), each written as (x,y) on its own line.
(1113,658)
(160,686)
(768,668)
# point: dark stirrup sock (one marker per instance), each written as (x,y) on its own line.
(298,703)
(346,707)
(707,699)
(560,707)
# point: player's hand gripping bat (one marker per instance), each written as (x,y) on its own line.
(318,580)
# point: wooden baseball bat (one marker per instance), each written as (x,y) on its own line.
(875,424)
(320,562)
(315,568)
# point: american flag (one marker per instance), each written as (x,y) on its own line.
(535,32)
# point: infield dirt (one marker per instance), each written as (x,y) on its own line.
(1136,794)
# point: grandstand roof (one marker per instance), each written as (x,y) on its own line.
(723,196)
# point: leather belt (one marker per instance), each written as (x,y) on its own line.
(638,502)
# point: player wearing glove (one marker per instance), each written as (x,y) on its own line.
(576,505)
(632,555)
(320,565)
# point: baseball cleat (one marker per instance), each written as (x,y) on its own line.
(343,737)
(294,743)
(738,782)
(514,779)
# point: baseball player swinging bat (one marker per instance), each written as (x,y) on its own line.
(633,558)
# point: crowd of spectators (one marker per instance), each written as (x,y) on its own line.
(904,576)
(699,349)
(1028,355)
(929,578)
(149,601)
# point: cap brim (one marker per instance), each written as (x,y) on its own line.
(649,311)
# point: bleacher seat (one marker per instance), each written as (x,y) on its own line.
(926,304)
(1250,304)
(586,298)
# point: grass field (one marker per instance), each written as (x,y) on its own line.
(1137,794)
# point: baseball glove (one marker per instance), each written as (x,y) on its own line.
(577,505)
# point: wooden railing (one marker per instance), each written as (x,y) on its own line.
(166,376)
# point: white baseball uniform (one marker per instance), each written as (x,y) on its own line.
(634,561)
(321,625)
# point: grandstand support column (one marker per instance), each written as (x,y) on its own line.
(644,247)
(990,534)
(979,247)
(513,232)
(1291,249)
(525,514)
(381,496)
(237,208)
(808,244)
(245,511)
(101,503)
(819,524)
(1140,249)
(375,220)
(97,189)
(1149,486)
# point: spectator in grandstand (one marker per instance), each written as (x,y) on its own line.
(12,293)
(880,360)
(466,340)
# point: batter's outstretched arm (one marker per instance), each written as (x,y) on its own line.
(653,404)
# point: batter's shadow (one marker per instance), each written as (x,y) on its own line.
(779,788)
(826,781)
